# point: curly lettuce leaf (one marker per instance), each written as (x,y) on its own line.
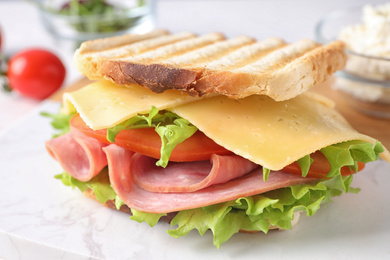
(100,185)
(339,155)
(171,128)
(118,202)
(349,153)
(137,121)
(151,219)
(60,122)
(266,173)
(256,213)
(172,135)
(305,163)
(344,154)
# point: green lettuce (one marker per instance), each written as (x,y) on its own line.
(349,153)
(100,185)
(171,128)
(305,163)
(256,213)
(59,122)
(275,208)
(151,219)
(266,173)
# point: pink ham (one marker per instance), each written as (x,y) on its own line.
(188,176)
(79,155)
(119,165)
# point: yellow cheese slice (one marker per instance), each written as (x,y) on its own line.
(104,104)
(272,134)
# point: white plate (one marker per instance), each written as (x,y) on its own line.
(40,218)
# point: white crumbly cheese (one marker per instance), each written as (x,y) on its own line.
(372,37)
(363,91)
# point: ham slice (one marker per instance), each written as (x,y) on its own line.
(180,186)
(79,155)
(188,176)
(120,165)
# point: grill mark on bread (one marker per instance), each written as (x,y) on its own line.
(117,41)
(246,55)
(142,46)
(175,49)
(209,52)
(160,76)
(280,57)
(236,67)
(277,69)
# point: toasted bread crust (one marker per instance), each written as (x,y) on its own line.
(156,77)
(236,67)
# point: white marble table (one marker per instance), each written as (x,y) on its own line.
(55,222)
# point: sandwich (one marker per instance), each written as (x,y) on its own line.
(208,133)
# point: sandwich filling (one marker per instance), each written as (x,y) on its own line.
(220,164)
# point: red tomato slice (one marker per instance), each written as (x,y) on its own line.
(146,141)
(196,148)
(320,167)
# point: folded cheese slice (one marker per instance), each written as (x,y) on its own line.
(272,134)
(103,104)
(269,133)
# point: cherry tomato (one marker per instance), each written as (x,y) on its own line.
(35,73)
(320,167)
(146,141)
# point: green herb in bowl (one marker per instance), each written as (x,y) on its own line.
(99,16)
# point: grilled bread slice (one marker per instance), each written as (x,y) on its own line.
(235,67)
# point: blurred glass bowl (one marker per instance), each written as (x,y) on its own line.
(70,20)
(365,81)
